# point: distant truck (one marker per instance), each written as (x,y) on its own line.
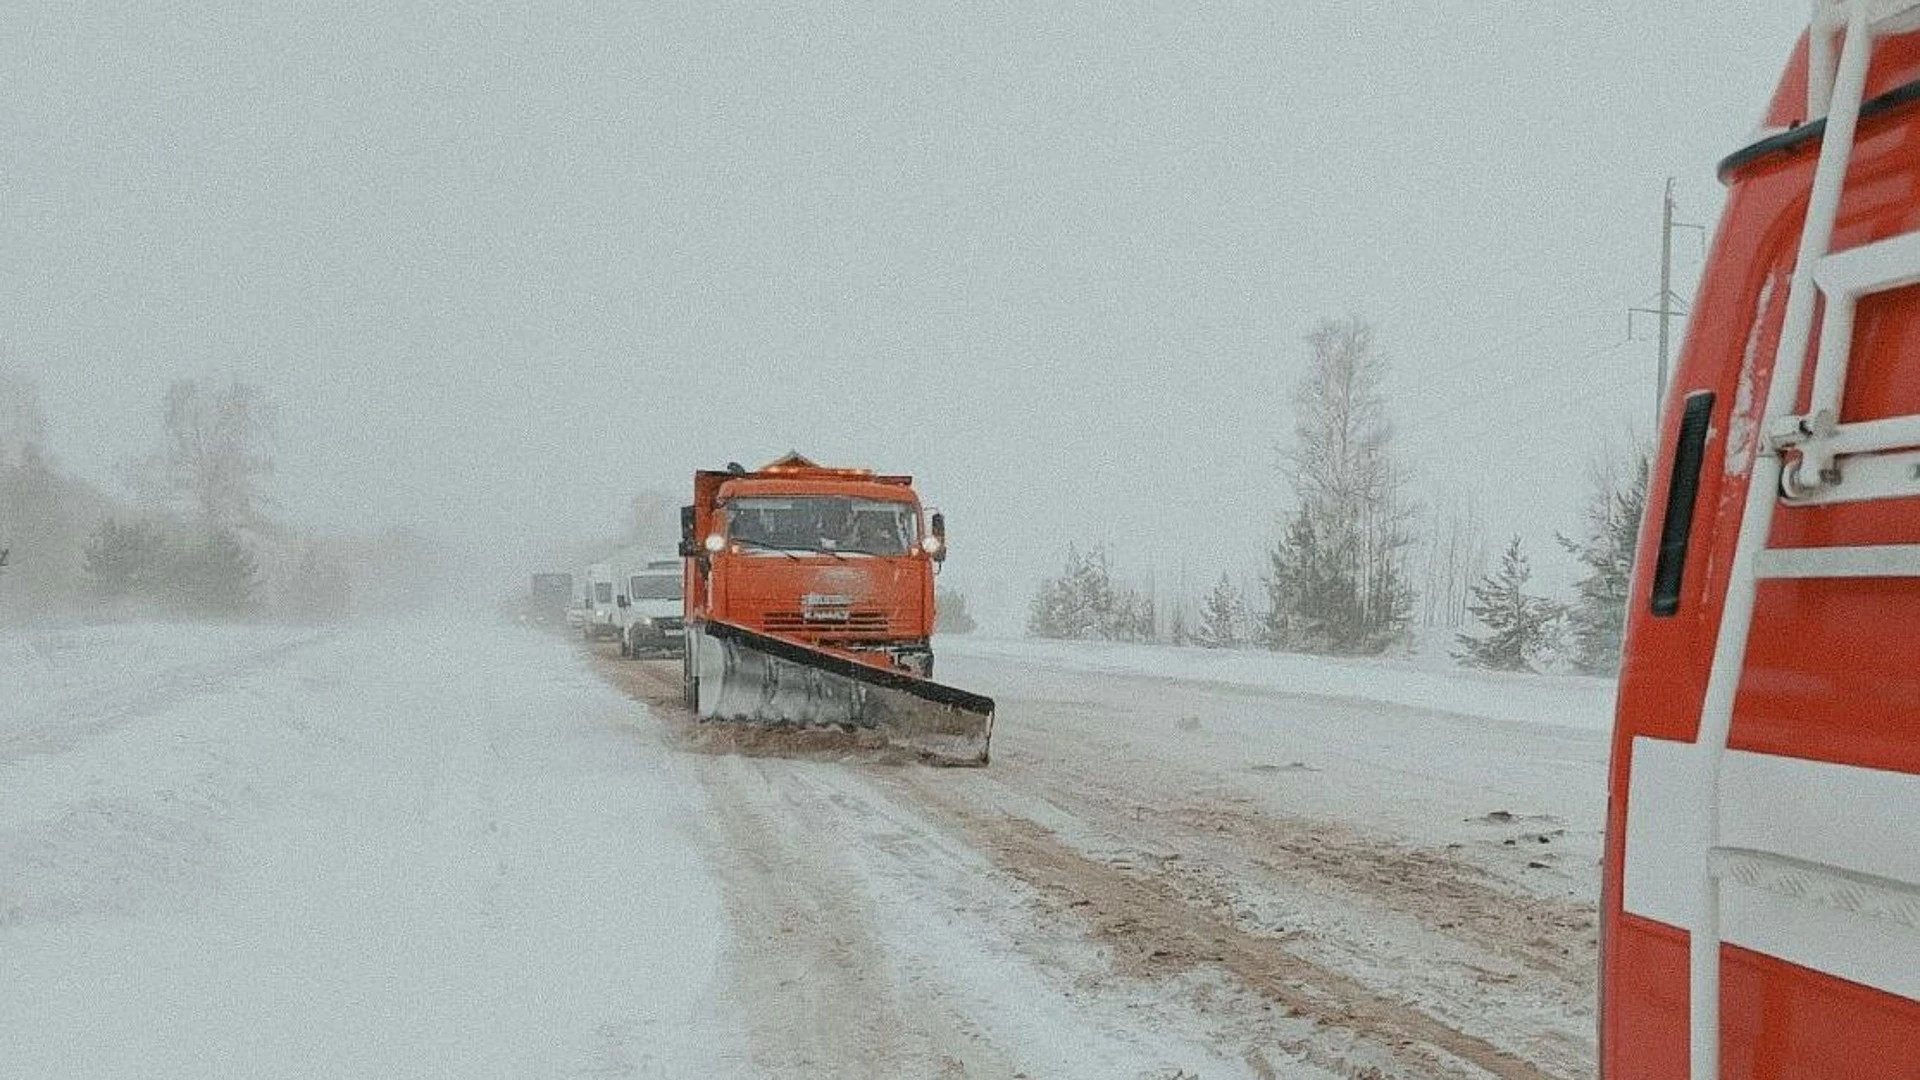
(548,598)
(651,616)
(600,617)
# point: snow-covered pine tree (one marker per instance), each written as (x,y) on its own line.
(1130,618)
(126,559)
(1520,627)
(1092,593)
(1048,616)
(1223,617)
(213,574)
(1084,603)
(950,614)
(1076,603)
(1309,591)
(1597,619)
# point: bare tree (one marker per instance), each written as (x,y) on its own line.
(654,520)
(1179,618)
(21,423)
(1456,558)
(218,450)
(1338,579)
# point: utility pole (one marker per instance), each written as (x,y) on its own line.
(1666,293)
(1668,301)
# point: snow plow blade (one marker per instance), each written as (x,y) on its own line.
(744,676)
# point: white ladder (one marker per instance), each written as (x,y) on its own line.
(1883,455)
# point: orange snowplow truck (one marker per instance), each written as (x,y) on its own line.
(1761,890)
(810,602)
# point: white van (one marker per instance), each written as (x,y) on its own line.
(652,616)
(600,611)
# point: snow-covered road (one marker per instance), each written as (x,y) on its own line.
(259,852)
(381,850)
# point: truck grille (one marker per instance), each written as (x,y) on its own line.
(835,620)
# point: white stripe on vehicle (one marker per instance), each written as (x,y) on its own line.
(1818,862)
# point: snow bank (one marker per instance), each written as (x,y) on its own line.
(1562,700)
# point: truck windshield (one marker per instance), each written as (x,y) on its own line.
(822,523)
(653,587)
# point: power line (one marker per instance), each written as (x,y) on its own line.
(1487,353)
(1501,389)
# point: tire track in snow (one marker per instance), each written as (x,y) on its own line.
(1515,967)
(1154,920)
(822,998)
(960,941)
(1156,929)
(105,706)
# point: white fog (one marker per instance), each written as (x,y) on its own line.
(499,271)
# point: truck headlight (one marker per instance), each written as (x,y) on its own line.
(716,542)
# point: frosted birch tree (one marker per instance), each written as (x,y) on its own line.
(1338,579)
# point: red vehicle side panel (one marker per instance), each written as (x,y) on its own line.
(1832,672)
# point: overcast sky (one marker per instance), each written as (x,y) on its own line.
(503,268)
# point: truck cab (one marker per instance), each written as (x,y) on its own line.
(549,597)
(836,558)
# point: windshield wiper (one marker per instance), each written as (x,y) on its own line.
(791,553)
(795,553)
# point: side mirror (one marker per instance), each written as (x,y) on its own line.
(939,526)
(620,600)
(689,544)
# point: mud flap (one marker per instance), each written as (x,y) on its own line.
(749,677)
